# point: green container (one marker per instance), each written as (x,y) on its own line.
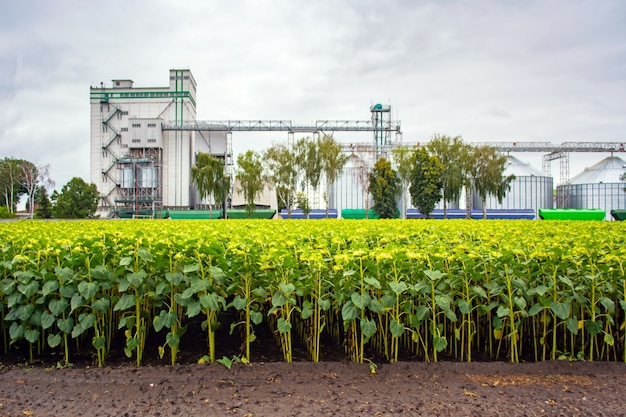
(194,214)
(619,215)
(572,214)
(358,214)
(256,214)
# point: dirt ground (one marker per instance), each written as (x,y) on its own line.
(280,389)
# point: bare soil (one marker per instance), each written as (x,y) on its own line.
(559,388)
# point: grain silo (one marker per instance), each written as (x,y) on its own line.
(597,187)
(531,189)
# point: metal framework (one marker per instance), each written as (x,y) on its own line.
(319,126)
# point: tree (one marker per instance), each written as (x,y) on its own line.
(280,164)
(250,177)
(77,200)
(451,153)
(485,169)
(426,181)
(403,160)
(332,161)
(211,181)
(43,203)
(34,175)
(11,182)
(384,185)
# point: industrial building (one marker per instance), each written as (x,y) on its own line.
(138,164)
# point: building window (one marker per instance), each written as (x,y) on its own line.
(151,140)
(124,113)
(151,124)
(136,141)
(124,129)
(136,124)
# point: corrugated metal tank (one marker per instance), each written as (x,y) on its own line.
(598,186)
(531,189)
(350,189)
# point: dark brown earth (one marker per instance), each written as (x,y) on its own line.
(559,388)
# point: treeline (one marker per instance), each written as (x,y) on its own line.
(440,170)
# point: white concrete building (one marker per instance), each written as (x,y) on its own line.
(136,164)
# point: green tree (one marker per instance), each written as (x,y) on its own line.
(426,181)
(11,182)
(403,164)
(332,161)
(250,176)
(77,200)
(384,185)
(43,203)
(485,169)
(211,181)
(451,153)
(282,174)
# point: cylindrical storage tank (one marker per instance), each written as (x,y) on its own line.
(350,189)
(127,179)
(148,177)
(597,187)
(531,189)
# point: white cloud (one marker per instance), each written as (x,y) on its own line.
(485,70)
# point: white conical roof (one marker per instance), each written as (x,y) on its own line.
(520,169)
(607,171)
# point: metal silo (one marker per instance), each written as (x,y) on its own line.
(531,189)
(597,187)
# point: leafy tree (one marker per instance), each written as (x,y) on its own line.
(211,181)
(426,181)
(332,161)
(485,169)
(250,176)
(43,203)
(403,160)
(451,153)
(280,164)
(308,160)
(5,213)
(77,200)
(32,176)
(384,185)
(11,182)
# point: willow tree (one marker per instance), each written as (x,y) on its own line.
(210,180)
(485,170)
(403,164)
(250,176)
(384,185)
(282,174)
(332,161)
(426,181)
(451,153)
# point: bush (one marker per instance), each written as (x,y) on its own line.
(6,214)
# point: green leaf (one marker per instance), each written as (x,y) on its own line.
(479,291)
(307,310)
(172,340)
(65,325)
(622,304)
(126,301)
(324,304)
(433,275)
(368,328)
(101,305)
(188,293)
(520,302)
(49,287)
(191,268)
(136,278)
(16,331)
(279,300)
(28,289)
(541,290)
(443,301)
(572,325)
(397,287)
(608,304)
(286,288)
(57,306)
(593,327)
(561,310)
(375,306)
(502,311)
(226,362)
(88,289)
(32,335)
(373,282)
(439,343)
(125,261)
(239,303)
(349,312)
(283,326)
(209,301)
(360,301)
(396,328)
(157,322)
(25,311)
(608,339)
(193,309)
(54,340)
(47,320)
(99,342)
(77,302)
(144,254)
(464,307)
(536,309)
(256,317)
(85,322)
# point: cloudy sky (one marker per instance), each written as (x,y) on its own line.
(532,70)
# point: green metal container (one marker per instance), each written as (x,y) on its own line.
(572,214)
(619,215)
